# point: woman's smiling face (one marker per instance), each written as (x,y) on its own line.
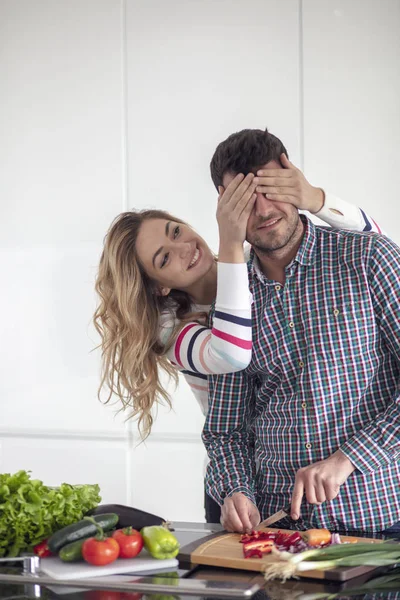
(172,254)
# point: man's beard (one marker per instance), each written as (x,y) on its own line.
(274,240)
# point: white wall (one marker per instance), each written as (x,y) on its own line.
(351,82)
(109,105)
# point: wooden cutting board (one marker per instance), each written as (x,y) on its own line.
(225,550)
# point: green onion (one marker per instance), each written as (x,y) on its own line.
(340,555)
(340,550)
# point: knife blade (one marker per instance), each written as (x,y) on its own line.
(284,512)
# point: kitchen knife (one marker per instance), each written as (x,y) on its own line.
(284,512)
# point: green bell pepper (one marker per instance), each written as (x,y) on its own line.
(160,542)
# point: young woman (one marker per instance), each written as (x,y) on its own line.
(157,280)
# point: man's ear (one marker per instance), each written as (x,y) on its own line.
(163,291)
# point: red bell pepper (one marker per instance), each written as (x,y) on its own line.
(42,549)
(258,535)
(258,543)
(293,539)
(257,548)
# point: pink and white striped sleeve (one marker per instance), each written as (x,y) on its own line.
(226,347)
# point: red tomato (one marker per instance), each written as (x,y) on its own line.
(100,552)
(130,542)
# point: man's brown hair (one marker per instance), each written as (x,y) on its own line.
(245,152)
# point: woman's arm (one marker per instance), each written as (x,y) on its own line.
(290,185)
(343,215)
(227,346)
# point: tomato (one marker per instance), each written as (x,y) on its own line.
(100,551)
(130,542)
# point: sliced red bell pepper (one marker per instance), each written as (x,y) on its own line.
(257,548)
(254,553)
(258,535)
(293,539)
(258,543)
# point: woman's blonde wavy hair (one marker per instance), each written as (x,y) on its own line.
(127,320)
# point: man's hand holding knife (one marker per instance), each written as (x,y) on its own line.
(319,482)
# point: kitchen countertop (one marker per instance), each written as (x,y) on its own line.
(199,582)
(292,589)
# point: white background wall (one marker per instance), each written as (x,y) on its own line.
(108,105)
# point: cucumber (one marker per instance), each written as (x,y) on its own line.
(72,552)
(79,530)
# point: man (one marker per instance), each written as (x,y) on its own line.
(314,420)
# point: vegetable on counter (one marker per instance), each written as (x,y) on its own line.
(258,543)
(160,542)
(257,548)
(72,552)
(42,549)
(87,527)
(376,554)
(128,516)
(99,550)
(31,511)
(317,537)
(130,542)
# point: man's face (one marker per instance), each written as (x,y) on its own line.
(271,224)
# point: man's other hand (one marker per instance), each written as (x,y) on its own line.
(289,185)
(238,514)
(320,481)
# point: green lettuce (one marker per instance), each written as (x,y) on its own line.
(31,511)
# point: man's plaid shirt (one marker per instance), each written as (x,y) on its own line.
(324,375)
